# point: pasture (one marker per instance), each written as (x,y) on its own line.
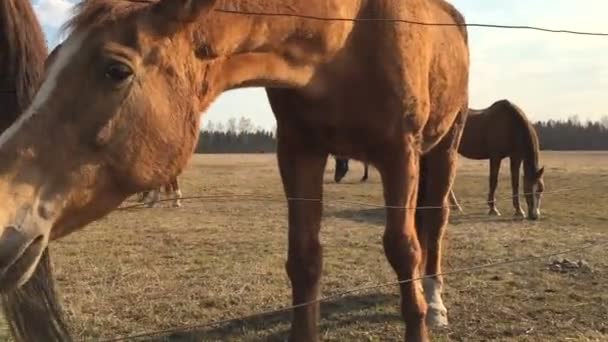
(215,259)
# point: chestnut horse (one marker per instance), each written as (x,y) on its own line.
(31,311)
(500,131)
(152,197)
(151,68)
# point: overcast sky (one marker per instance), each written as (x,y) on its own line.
(548,75)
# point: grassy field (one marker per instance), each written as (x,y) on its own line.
(143,270)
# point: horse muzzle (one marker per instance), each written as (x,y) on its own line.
(534,215)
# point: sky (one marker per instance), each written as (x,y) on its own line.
(551,76)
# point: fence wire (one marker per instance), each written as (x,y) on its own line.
(191,328)
(412,22)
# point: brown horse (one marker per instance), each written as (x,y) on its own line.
(500,131)
(151,68)
(341,169)
(32,311)
(152,197)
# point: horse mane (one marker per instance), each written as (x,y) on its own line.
(90,14)
(23,51)
(32,311)
(529,136)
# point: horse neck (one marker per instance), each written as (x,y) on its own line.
(529,144)
(22,55)
(271,51)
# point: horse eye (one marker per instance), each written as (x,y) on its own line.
(118,72)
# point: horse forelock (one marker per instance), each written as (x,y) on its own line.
(91,14)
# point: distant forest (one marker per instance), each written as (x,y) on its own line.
(241,136)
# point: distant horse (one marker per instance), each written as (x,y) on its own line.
(150,69)
(152,197)
(500,131)
(32,311)
(341,170)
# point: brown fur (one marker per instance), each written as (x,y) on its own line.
(22,54)
(151,68)
(500,131)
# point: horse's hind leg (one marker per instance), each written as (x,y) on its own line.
(153,198)
(141,197)
(515,166)
(302,169)
(365,172)
(400,171)
(454,202)
(494,170)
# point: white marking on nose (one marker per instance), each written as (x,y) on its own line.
(64,55)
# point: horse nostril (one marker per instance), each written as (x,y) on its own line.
(10,230)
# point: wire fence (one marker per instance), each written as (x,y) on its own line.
(278,198)
(191,328)
(260,314)
(412,22)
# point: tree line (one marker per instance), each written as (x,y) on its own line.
(235,136)
(242,136)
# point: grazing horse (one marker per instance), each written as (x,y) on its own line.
(341,169)
(151,68)
(32,311)
(499,131)
(152,197)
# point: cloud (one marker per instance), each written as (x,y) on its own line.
(53,13)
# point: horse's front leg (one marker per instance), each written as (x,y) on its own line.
(494,170)
(515,166)
(301,171)
(400,172)
(177,192)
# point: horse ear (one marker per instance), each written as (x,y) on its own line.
(51,57)
(540,172)
(179,12)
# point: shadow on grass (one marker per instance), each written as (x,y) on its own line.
(338,313)
(377,216)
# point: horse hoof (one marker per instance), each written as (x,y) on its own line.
(519,214)
(437,318)
(494,212)
(177,205)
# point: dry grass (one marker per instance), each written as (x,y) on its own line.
(152,269)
